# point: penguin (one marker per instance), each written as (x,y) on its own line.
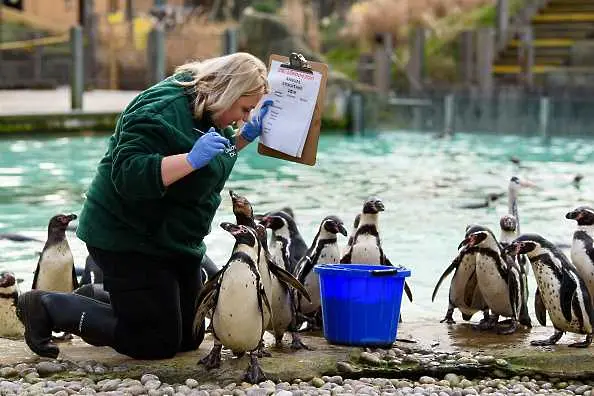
(464,292)
(10,325)
(237,300)
(499,280)
(560,290)
(366,245)
(298,247)
(582,247)
(489,201)
(282,301)
(508,225)
(17,237)
(323,250)
(55,269)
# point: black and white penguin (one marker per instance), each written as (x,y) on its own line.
(582,247)
(10,325)
(464,292)
(298,247)
(55,269)
(561,291)
(489,201)
(366,245)
(323,250)
(498,280)
(282,301)
(238,301)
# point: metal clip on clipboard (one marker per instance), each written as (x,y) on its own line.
(298,62)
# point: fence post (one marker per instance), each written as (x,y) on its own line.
(416,64)
(356,114)
(449,109)
(466,61)
(502,16)
(37,60)
(485,51)
(543,119)
(382,63)
(77,75)
(156,54)
(365,69)
(230,41)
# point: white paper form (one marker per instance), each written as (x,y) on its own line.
(287,122)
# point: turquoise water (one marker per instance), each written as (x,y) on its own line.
(421,180)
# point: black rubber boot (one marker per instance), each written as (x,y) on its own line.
(94,291)
(43,312)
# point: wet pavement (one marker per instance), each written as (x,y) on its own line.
(420,339)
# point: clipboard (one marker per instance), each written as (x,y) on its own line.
(310,148)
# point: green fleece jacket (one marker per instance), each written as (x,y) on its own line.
(127,207)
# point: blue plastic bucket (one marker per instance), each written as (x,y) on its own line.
(361,303)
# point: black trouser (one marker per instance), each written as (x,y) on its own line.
(154,300)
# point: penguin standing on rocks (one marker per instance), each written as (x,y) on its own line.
(366,245)
(582,247)
(464,292)
(55,269)
(238,301)
(499,280)
(323,250)
(282,300)
(561,291)
(10,325)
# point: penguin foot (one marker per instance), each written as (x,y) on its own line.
(254,373)
(38,324)
(507,330)
(62,338)
(584,344)
(448,319)
(261,351)
(213,359)
(552,340)
(297,344)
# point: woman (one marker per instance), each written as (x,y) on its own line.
(149,208)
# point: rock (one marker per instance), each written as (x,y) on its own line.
(317,382)
(8,372)
(345,367)
(452,378)
(371,358)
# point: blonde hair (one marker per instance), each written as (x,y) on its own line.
(219,82)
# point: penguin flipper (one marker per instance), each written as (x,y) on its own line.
(36,275)
(74,278)
(346,259)
(285,277)
(447,271)
(539,308)
(568,288)
(206,304)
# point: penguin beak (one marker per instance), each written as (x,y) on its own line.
(527,183)
(513,249)
(68,219)
(265,221)
(229,227)
(233,195)
(341,229)
(463,243)
(379,205)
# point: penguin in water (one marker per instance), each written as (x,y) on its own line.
(17,237)
(323,250)
(237,300)
(489,201)
(464,292)
(560,290)
(282,300)
(582,247)
(499,280)
(55,269)
(10,325)
(366,245)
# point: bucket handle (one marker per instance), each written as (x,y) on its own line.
(384,272)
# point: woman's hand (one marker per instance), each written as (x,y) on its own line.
(253,128)
(206,148)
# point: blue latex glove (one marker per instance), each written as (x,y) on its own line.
(253,128)
(206,148)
